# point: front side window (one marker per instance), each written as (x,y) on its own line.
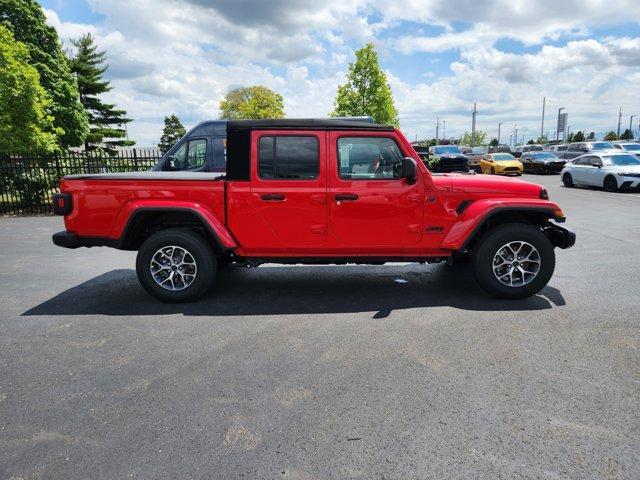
(190,155)
(369,158)
(288,157)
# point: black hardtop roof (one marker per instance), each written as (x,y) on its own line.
(303,124)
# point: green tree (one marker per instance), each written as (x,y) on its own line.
(578,136)
(367,92)
(611,135)
(107,123)
(480,138)
(252,102)
(172,132)
(25,124)
(542,140)
(26,20)
(531,142)
(494,142)
(626,135)
(570,138)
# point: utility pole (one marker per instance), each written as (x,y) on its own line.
(619,120)
(444,130)
(515,135)
(544,101)
(499,132)
(473,125)
(630,126)
(511,140)
(437,130)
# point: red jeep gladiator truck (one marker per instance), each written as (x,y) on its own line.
(314,192)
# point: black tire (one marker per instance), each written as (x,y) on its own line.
(494,240)
(610,184)
(196,246)
(567,180)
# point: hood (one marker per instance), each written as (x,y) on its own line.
(459,182)
(510,163)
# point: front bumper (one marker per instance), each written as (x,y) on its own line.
(560,237)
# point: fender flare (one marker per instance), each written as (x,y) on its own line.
(127,216)
(479,212)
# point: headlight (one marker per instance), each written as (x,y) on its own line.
(634,175)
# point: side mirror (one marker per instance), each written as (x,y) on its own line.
(409,170)
(171,164)
(584,149)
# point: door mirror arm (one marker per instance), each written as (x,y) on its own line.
(409,170)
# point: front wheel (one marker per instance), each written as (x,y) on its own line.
(176,266)
(513,261)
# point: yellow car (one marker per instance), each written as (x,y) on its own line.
(500,164)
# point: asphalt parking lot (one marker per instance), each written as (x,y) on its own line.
(392,372)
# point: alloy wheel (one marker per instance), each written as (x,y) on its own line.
(173,268)
(516,264)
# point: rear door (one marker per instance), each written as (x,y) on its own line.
(369,204)
(289,189)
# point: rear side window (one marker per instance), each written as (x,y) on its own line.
(369,158)
(288,157)
(190,155)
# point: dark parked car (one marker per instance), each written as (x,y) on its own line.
(445,158)
(541,162)
(522,149)
(499,149)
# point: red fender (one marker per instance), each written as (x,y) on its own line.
(211,220)
(477,212)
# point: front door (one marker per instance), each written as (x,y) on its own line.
(370,205)
(289,190)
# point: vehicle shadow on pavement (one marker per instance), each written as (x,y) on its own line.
(281,290)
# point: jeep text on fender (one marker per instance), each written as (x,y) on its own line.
(314,191)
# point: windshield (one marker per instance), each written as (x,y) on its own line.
(601,145)
(620,160)
(446,150)
(543,155)
(503,156)
(632,147)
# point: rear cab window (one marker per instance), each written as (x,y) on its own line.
(288,157)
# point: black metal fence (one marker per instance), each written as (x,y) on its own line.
(28,181)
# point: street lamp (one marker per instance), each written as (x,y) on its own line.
(499,125)
(631,126)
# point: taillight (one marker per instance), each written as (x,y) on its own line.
(61,203)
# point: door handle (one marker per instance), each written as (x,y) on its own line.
(273,197)
(340,197)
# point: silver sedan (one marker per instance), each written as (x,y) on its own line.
(612,171)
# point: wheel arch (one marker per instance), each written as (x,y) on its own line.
(145,221)
(465,232)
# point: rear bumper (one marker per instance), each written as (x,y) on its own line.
(560,237)
(71,240)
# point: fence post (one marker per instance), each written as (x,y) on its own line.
(135,160)
(58,172)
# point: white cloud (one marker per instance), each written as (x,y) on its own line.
(182,56)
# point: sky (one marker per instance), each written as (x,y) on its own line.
(440,57)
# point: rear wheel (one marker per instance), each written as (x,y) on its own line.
(567,180)
(176,266)
(610,184)
(513,261)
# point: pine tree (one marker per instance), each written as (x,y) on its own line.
(26,20)
(367,92)
(172,132)
(106,122)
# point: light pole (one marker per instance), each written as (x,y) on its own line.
(558,129)
(544,102)
(515,135)
(619,120)
(569,130)
(499,125)
(631,126)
